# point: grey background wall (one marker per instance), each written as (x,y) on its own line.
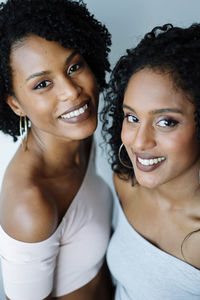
(128,21)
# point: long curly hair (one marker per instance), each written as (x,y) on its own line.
(167,49)
(65,21)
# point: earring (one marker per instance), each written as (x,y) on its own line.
(119,156)
(23,130)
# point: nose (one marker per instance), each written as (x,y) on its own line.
(144,138)
(68,89)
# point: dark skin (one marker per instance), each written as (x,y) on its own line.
(148,218)
(100,287)
(47,176)
(163,205)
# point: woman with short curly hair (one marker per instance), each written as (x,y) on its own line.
(151,123)
(55,210)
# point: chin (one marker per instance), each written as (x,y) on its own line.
(151,184)
(87,129)
(91,129)
(88,132)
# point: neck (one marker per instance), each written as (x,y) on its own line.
(56,155)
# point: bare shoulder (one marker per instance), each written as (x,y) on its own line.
(27,211)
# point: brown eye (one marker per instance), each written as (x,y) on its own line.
(43,84)
(131,118)
(167,123)
(74,68)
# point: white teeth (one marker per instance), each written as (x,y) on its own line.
(81,110)
(75,113)
(71,114)
(151,162)
(147,162)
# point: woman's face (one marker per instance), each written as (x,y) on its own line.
(55,88)
(158,129)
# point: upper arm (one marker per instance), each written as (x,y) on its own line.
(28,256)
(30,216)
(28,268)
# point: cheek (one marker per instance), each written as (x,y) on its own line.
(95,92)
(89,81)
(127,135)
(183,143)
(189,146)
(90,87)
(38,107)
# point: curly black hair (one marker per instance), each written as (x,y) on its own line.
(65,21)
(166,49)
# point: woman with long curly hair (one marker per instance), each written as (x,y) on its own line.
(55,211)
(152,125)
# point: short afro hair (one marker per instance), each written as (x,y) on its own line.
(166,49)
(65,21)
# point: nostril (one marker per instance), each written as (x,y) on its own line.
(69,91)
(144,139)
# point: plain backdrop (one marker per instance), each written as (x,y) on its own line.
(127,21)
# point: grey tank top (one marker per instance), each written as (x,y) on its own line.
(144,272)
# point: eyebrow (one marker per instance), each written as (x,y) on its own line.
(42,73)
(158,111)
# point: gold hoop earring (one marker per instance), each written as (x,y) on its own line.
(119,156)
(23,130)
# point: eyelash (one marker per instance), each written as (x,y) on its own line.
(170,121)
(77,66)
(38,86)
(128,116)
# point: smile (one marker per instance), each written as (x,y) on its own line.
(75,113)
(150,162)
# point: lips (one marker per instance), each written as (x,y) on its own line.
(152,161)
(77,113)
(148,163)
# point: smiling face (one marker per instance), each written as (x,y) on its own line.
(55,88)
(158,129)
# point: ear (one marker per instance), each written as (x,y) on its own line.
(15,105)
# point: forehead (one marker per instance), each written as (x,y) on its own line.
(34,51)
(148,89)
